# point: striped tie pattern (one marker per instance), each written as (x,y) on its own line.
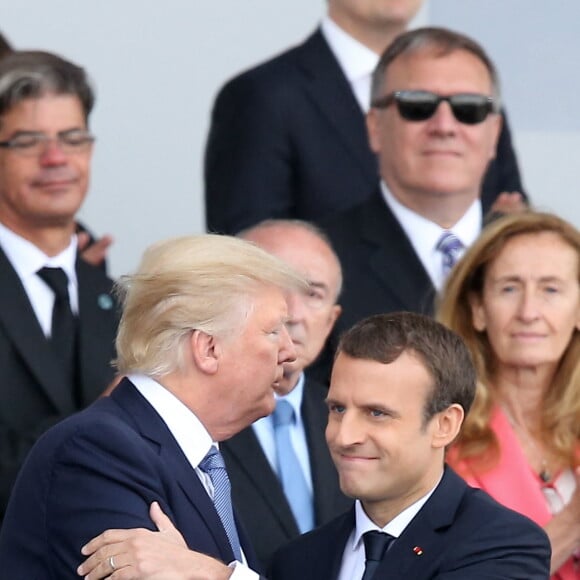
(450,246)
(213,464)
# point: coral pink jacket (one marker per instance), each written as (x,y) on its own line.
(513,483)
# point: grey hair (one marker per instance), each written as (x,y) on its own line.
(33,74)
(440,42)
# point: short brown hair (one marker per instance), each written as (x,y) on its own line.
(384,337)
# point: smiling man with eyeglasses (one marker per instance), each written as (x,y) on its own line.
(434,124)
(58,317)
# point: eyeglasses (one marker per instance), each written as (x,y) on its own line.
(33,144)
(468,108)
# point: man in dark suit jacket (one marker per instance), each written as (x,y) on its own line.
(203,342)
(257,490)
(45,159)
(390,245)
(401,386)
(288,138)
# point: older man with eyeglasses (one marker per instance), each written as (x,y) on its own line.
(434,124)
(58,318)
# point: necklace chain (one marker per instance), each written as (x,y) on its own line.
(544,472)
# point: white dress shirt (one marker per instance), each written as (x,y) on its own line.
(191,436)
(353,558)
(27,259)
(356,60)
(264,430)
(424,234)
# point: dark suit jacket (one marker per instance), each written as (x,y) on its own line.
(258,496)
(288,140)
(101,469)
(32,392)
(462,532)
(382,272)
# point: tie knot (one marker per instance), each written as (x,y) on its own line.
(212,460)
(57,279)
(284,414)
(449,243)
(376,544)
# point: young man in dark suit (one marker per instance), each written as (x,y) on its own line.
(288,137)
(270,512)
(56,342)
(401,386)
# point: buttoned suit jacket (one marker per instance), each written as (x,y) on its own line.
(460,533)
(101,469)
(288,140)
(257,493)
(33,395)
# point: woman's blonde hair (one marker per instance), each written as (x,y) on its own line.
(191,283)
(561,406)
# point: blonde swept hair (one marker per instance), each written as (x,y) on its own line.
(560,429)
(205,283)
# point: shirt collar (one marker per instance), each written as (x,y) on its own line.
(294,397)
(395,527)
(355,59)
(27,259)
(425,233)
(189,432)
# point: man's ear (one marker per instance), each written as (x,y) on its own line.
(372,120)
(446,426)
(334,314)
(205,351)
(496,125)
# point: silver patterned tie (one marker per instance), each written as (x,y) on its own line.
(450,246)
(213,464)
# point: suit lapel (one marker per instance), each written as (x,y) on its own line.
(245,449)
(330,93)
(392,257)
(152,427)
(97,311)
(423,533)
(21,324)
(324,478)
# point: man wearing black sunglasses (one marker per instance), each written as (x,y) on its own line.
(288,138)
(434,124)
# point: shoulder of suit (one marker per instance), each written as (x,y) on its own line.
(273,70)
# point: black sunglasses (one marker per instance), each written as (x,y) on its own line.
(468,108)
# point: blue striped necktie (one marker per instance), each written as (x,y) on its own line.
(213,464)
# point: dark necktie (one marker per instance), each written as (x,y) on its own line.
(449,245)
(376,544)
(213,464)
(290,472)
(64,324)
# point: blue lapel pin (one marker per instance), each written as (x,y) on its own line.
(105,302)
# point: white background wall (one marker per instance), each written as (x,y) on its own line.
(157,66)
